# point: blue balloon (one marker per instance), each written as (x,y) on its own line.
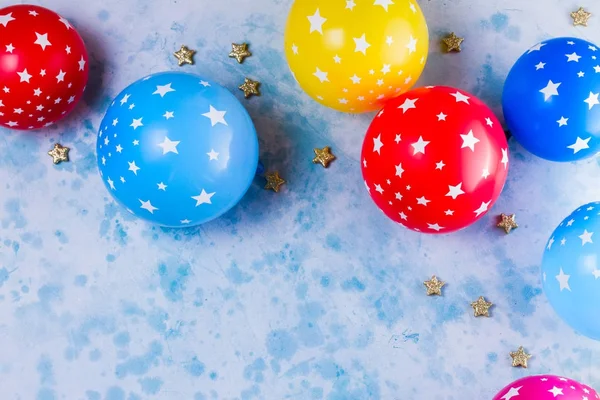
(571,270)
(177,150)
(550,99)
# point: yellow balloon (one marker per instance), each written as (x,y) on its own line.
(353,55)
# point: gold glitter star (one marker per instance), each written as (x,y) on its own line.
(59,153)
(250,87)
(519,358)
(481,307)
(323,156)
(452,42)
(434,286)
(274,181)
(184,55)
(239,52)
(507,223)
(580,17)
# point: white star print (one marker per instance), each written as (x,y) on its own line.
(597,69)
(125,99)
(5,19)
(412,7)
(434,227)
(9,48)
(378,188)
(398,138)
(136,123)
(169,146)
(469,141)
(537,47)
(408,104)
(146,205)
(399,170)
(592,100)
(511,393)
(169,114)
(294,49)
(215,116)
(579,145)
(65,22)
(440,165)
(185,221)
(81,63)
(43,72)
(162,90)
(111,183)
(42,40)
(355,79)
(482,208)
(321,75)
(162,186)
(573,57)
(350,4)
(550,243)
(596,273)
(132,167)
(377,144)
(580,74)
(570,222)
(460,97)
(455,191)
(586,237)
(441,116)
(136,142)
(383,3)
(449,212)
(24,76)
(316,22)
(203,198)
(562,121)
(540,65)
(389,40)
(12,124)
(550,90)
(213,155)
(504,158)
(61,76)
(423,201)
(205,84)
(68,50)
(563,241)
(563,281)
(489,122)
(361,44)
(386,69)
(412,45)
(419,146)
(337,59)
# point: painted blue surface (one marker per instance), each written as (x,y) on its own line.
(310,293)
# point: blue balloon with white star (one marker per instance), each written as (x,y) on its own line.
(571,270)
(550,99)
(177,149)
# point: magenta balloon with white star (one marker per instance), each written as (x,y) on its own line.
(546,387)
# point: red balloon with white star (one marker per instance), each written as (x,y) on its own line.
(43,67)
(435,159)
(546,387)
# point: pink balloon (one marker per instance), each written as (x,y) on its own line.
(546,387)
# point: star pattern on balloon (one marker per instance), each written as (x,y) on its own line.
(184,55)
(546,387)
(43,67)
(339,75)
(519,357)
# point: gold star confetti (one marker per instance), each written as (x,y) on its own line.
(323,156)
(580,17)
(250,87)
(507,223)
(184,56)
(452,42)
(274,181)
(59,153)
(519,358)
(481,307)
(434,286)
(239,52)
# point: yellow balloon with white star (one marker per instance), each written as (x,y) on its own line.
(353,55)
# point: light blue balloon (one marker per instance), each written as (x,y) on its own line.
(177,149)
(571,270)
(551,99)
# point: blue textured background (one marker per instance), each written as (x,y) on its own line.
(310,293)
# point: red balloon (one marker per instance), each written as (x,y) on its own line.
(43,67)
(435,159)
